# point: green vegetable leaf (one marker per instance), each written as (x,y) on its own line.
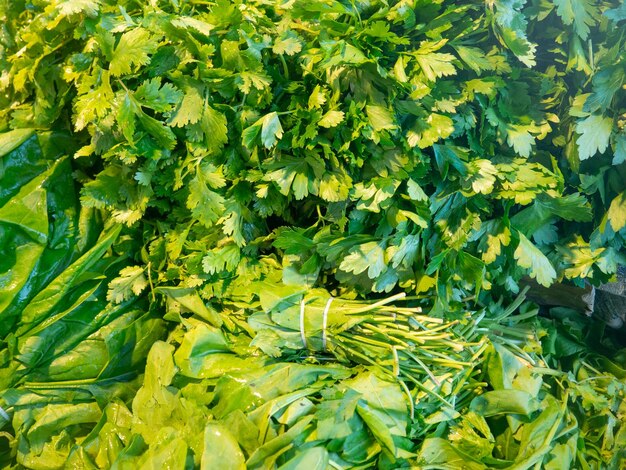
(433,64)
(331,119)
(530,257)
(288,43)
(380,118)
(617,212)
(73,7)
(368,257)
(221,449)
(578,12)
(133,50)
(131,281)
(520,139)
(190,109)
(595,132)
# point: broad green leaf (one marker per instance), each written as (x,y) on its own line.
(267,454)
(28,210)
(221,450)
(189,299)
(314,458)
(13,139)
(46,299)
(440,454)
(377,427)
(537,436)
(497,402)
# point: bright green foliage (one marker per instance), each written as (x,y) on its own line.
(436,148)
(594,135)
(228,122)
(530,257)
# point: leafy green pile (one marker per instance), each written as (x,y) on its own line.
(211,173)
(427,146)
(64,350)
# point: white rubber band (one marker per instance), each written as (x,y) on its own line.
(302,335)
(4,414)
(325,321)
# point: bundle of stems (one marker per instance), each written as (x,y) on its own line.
(429,356)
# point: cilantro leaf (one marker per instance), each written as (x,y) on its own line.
(426,133)
(481,176)
(131,281)
(606,83)
(133,50)
(220,259)
(288,43)
(73,7)
(511,26)
(213,124)
(497,238)
(190,109)
(268,127)
(206,205)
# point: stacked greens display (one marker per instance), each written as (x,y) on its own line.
(291,234)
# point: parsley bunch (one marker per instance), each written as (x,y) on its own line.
(375,147)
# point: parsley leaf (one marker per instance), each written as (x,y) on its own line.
(530,257)
(595,132)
